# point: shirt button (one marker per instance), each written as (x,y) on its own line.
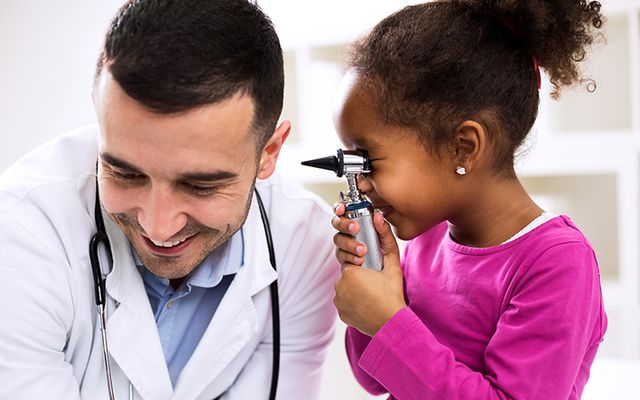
(170,303)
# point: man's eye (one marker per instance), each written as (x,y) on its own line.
(201,190)
(126,176)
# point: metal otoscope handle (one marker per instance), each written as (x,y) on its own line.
(363,213)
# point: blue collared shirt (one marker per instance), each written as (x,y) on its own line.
(182,315)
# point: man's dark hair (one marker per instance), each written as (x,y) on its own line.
(177,55)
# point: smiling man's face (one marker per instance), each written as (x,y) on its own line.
(178,185)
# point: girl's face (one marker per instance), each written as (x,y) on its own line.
(415,189)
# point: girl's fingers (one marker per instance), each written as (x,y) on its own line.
(349,244)
(345,225)
(348,258)
(341,223)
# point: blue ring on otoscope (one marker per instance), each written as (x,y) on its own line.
(357,206)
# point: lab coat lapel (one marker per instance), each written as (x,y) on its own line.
(235,322)
(134,342)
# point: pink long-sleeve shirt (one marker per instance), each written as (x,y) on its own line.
(522,320)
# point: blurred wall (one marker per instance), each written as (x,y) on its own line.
(49,49)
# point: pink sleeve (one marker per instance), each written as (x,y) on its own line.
(356,343)
(546,336)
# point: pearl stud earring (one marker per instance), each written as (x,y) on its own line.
(460,170)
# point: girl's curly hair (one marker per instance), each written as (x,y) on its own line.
(434,65)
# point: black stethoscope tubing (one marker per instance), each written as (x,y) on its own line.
(100,237)
(275,301)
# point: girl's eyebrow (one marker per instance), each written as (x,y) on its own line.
(365,144)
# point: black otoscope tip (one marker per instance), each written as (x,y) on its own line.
(331,163)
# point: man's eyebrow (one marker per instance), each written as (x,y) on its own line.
(208,176)
(118,163)
(187,176)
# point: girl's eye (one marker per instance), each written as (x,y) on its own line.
(372,167)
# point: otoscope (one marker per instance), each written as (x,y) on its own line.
(350,164)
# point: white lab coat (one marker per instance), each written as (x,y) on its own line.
(50,346)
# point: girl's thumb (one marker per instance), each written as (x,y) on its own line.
(388,244)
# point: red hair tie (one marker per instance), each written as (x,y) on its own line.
(536,69)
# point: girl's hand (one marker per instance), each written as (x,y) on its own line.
(366,299)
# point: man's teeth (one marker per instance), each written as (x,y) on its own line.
(168,244)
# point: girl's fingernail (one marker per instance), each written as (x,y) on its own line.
(352,228)
(360,249)
(357,260)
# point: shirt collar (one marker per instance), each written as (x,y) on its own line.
(227,259)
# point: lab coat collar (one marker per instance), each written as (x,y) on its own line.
(134,342)
(133,336)
(235,322)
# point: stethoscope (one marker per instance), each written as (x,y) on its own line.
(100,237)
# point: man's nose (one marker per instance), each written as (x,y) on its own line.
(161,214)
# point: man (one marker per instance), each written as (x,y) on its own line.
(187,95)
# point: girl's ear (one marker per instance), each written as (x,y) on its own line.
(470,142)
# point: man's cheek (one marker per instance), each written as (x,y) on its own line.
(115,199)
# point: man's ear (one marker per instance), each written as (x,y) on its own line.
(470,142)
(271,150)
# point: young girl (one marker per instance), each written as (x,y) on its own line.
(495,298)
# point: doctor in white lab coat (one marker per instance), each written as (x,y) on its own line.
(175,166)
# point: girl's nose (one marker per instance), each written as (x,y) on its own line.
(364,184)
